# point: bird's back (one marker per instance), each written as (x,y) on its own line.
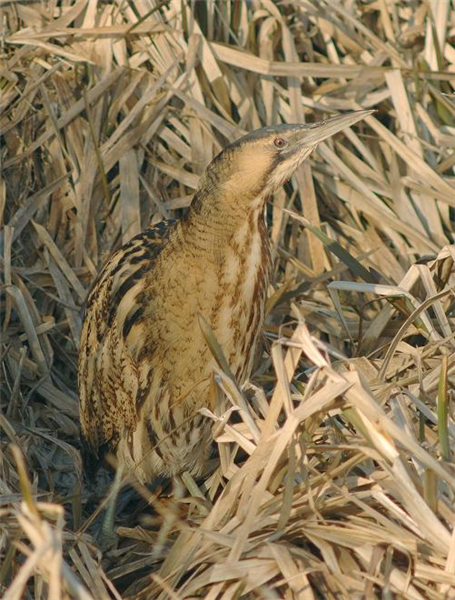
(108,374)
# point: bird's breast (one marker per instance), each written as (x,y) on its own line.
(236,311)
(226,281)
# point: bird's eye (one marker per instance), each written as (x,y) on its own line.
(280,142)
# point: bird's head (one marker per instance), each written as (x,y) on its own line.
(257,164)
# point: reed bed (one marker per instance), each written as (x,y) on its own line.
(334,474)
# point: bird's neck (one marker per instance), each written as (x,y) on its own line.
(215,220)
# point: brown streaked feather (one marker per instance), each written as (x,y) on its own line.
(144,369)
(108,376)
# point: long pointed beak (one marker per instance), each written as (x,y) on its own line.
(316,133)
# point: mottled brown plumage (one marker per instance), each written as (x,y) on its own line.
(144,365)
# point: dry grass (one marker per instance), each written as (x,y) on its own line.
(336,477)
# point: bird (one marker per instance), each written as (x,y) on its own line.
(145,369)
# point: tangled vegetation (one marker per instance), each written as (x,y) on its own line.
(334,475)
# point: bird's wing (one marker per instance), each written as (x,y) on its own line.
(109,379)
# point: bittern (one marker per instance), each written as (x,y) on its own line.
(144,364)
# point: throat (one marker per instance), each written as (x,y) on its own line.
(216,228)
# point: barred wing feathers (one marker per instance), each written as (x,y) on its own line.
(109,374)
